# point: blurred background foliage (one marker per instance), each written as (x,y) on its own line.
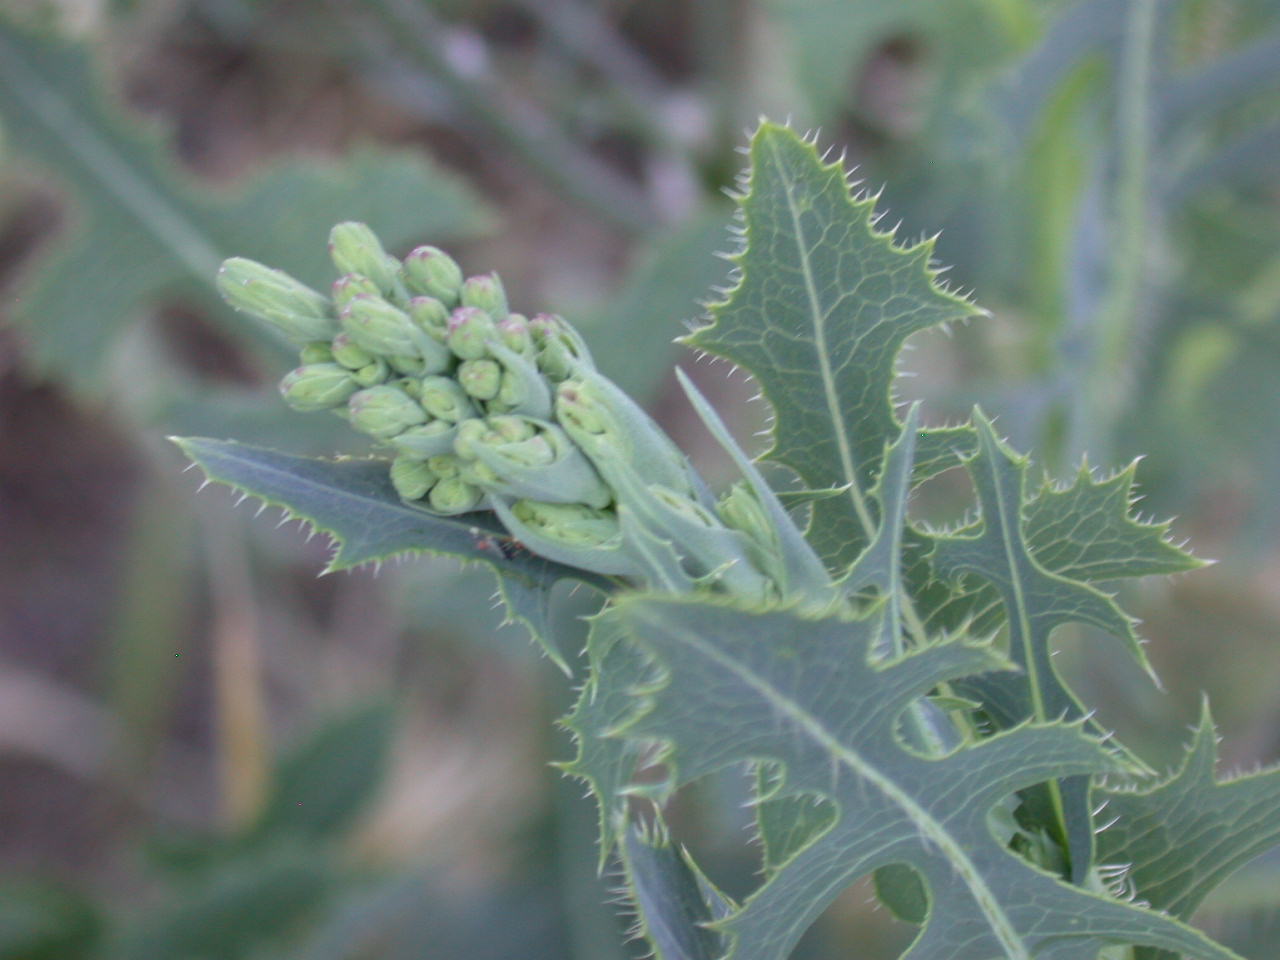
(206,752)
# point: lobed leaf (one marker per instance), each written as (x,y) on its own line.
(821,310)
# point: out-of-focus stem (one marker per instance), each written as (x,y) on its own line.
(413,30)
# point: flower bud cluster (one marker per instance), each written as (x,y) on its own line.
(485,408)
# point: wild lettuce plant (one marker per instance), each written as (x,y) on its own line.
(890,688)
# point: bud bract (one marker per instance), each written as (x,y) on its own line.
(523,390)
(430,272)
(384,411)
(411,478)
(485,292)
(512,429)
(382,328)
(570,523)
(427,440)
(471,330)
(444,399)
(317,386)
(293,308)
(347,288)
(317,351)
(356,249)
(545,466)
(480,378)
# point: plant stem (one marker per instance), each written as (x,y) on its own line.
(1106,387)
(418,34)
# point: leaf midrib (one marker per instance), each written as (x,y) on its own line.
(847,464)
(1000,925)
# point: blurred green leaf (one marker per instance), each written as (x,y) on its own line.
(45,921)
(234,911)
(141,229)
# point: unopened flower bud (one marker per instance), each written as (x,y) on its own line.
(572,524)
(317,351)
(356,249)
(453,495)
(480,378)
(444,399)
(471,330)
(428,440)
(347,288)
(349,353)
(561,350)
(515,334)
(408,365)
(469,431)
(317,386)
(380,327)
(372,373)
(512,429)
(293,308)
(523,390)
(384,411)
(445,465)
(479,474)
(486,293)
(430,272)
(411,478)
(431,315)
(544,466)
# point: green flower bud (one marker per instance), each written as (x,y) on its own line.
(349,353)
(740,510)
(382,328)
(356,249)
(293,308)
(513,429)
(347,288)
(317,351)
(479,475)
(409,366)
(572,524)
(616,434)
(471,330)
(429,271)
(444,399)
(480,378)
(445,465)
(515,334)
(469,432)
(453,495)
(485,292)
(431,315)
(545,466)
(384,411)
(561,351)
(317,386)
(410,385)
(428,440)
(373,373)
(411,478)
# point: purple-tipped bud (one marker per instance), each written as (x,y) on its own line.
(431,315)
(430,272)
(372,373)
(317,386)
(348,287)
(291,307)
(356,249)
(485,292)
(379,327)
(444,399)
(515,334)
(384,411)
(471,330)
(561,351)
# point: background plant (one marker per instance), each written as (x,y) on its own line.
(957,107)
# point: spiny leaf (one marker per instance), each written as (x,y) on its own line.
(1182,837)
(353,502)
(674,901)
(742,686)
(818,317)
(1035,603)
(140,228)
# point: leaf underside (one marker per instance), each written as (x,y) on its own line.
(353,502)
